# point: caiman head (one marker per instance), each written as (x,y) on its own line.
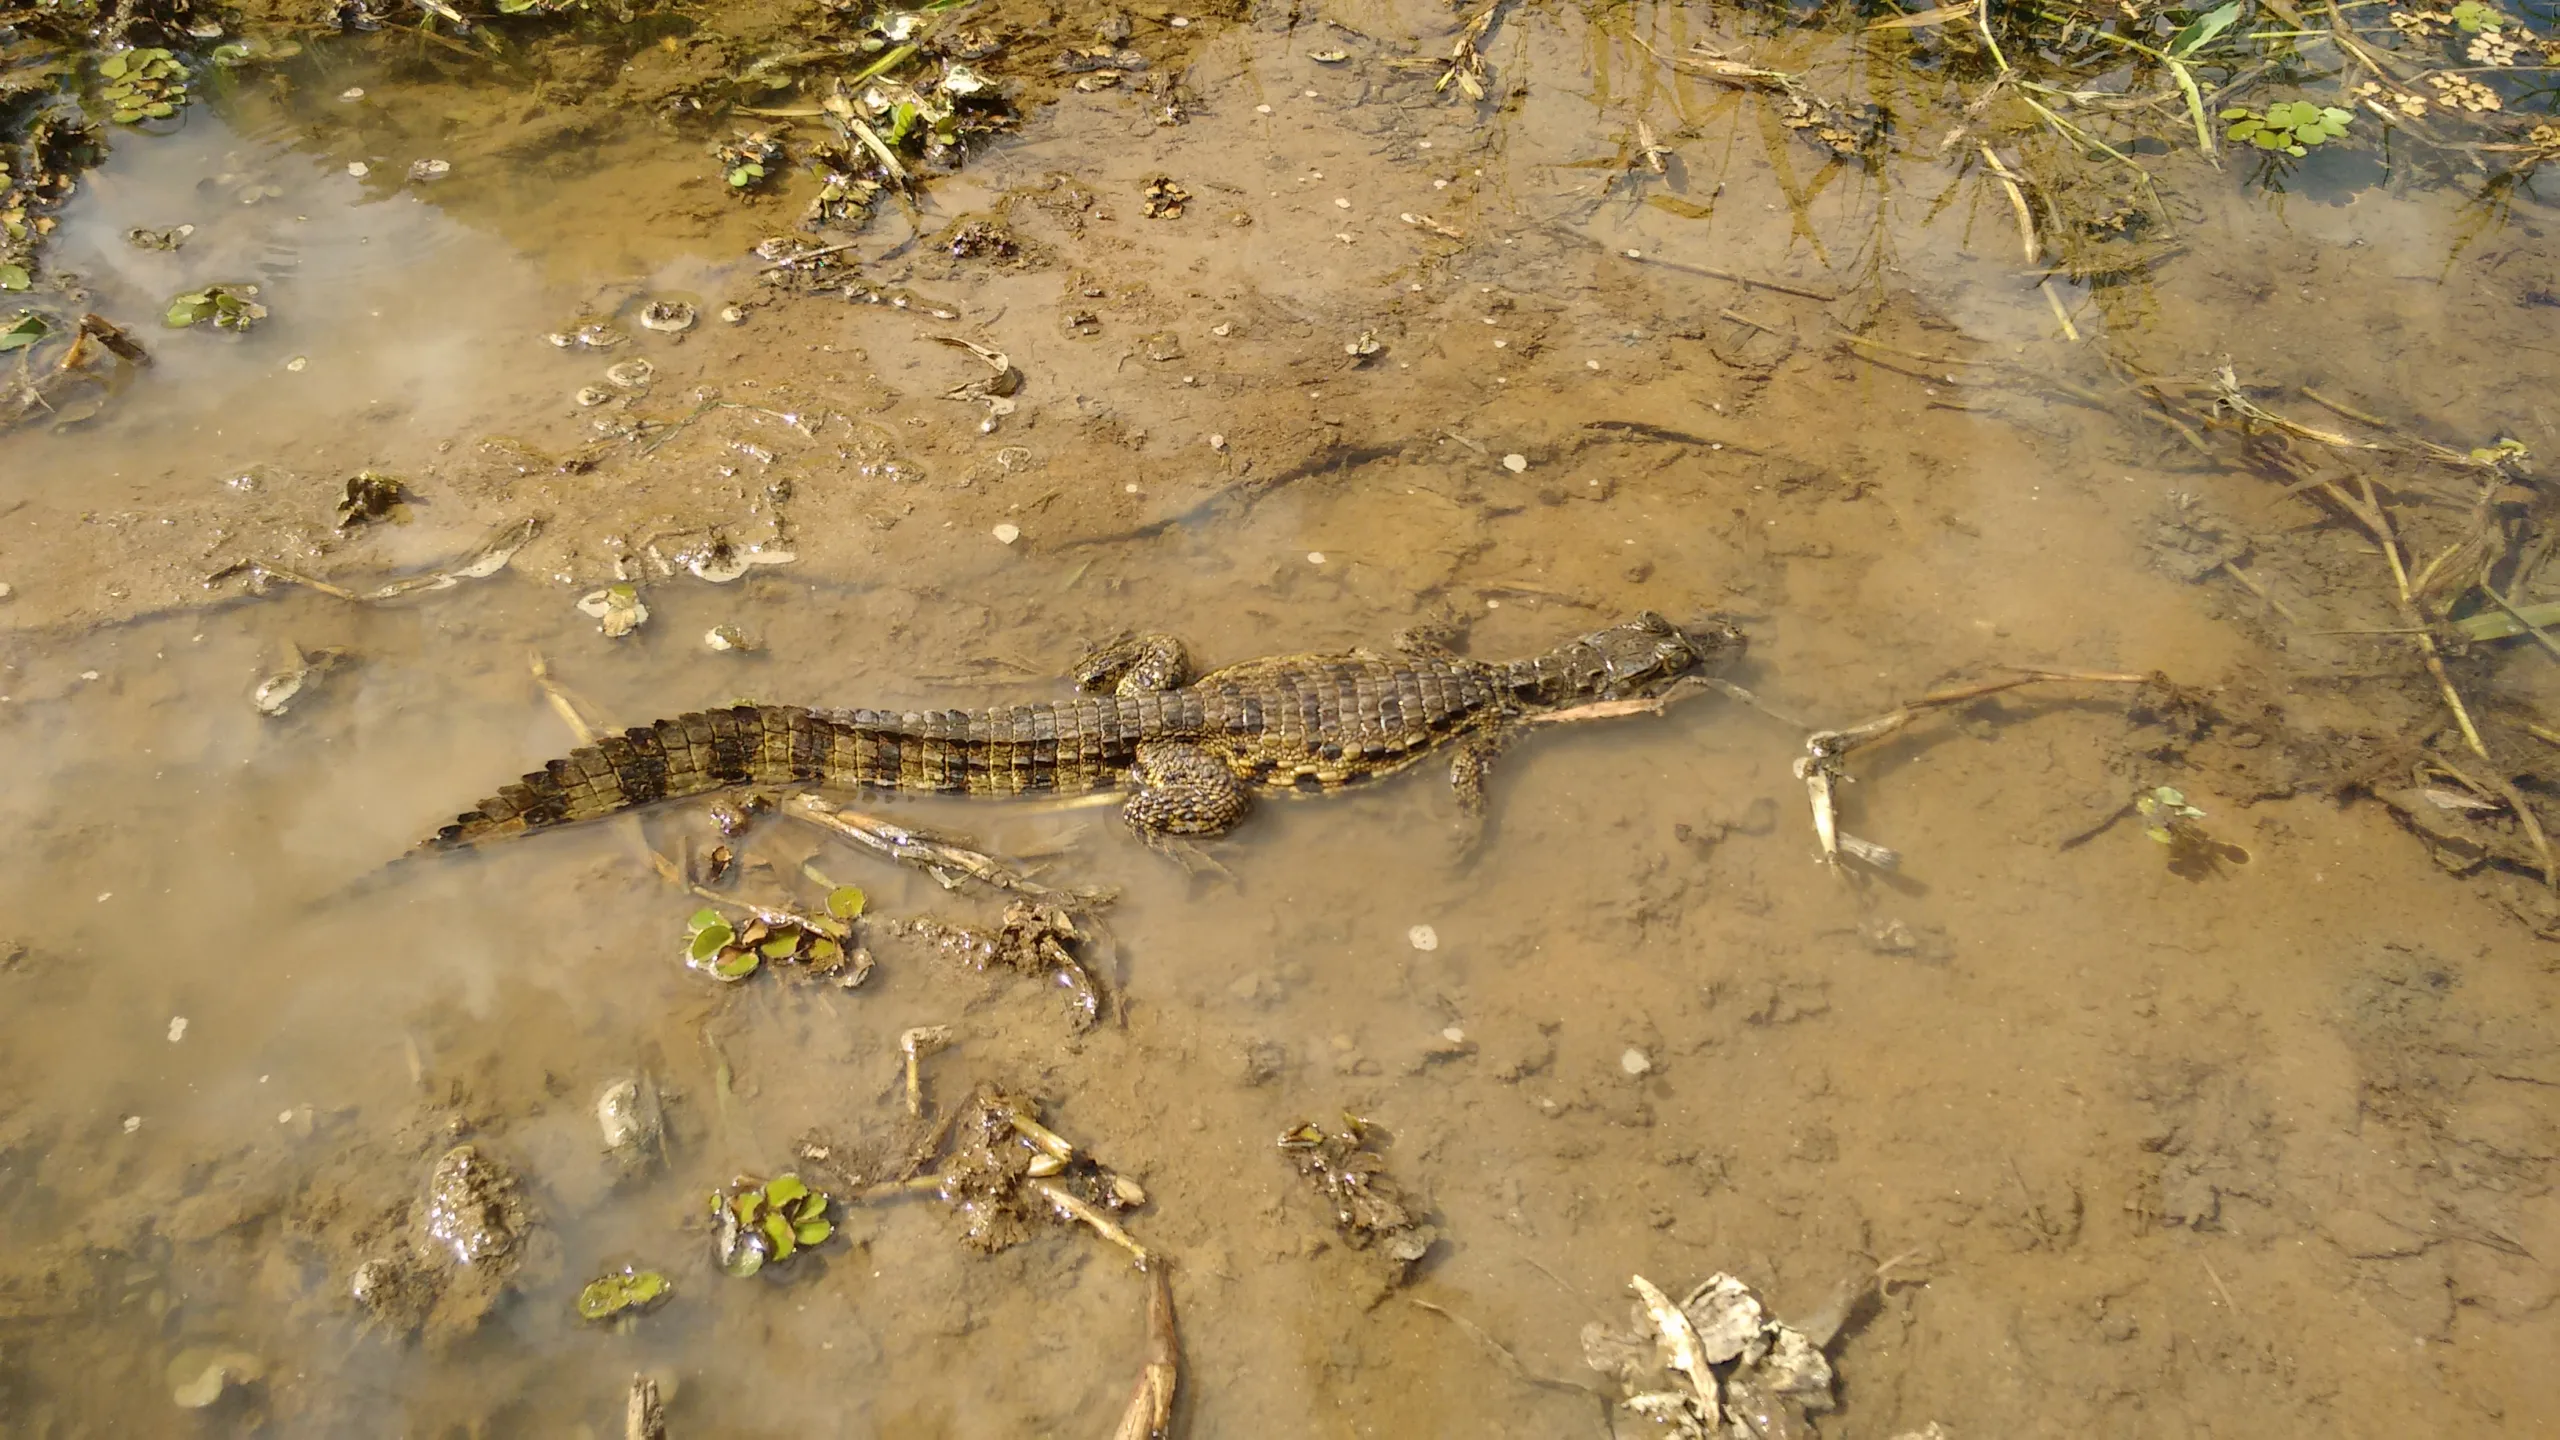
(1625,661)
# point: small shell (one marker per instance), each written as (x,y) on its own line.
(733,315)
(670,317)
(593,395)
(632,374)
(424,170)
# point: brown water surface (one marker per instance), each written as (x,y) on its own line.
(2266,1151)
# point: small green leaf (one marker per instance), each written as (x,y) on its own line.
(846,902)
(2295,150)
(825,951)
(14,277)
(783,1189)
(2201,31)
(701,920)
(778,1231)
(709,941)
(603,1298)
(734,964)
(114,66)
(159,109)
(749,1205)
(814,1232)
(747,1261)
(784,944)
(189,310)
(2268,139)
(647,1286)
(26,330)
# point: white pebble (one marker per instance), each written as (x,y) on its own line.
(132,1123)
(1261,109)
(1454,1035)
(353,92)
(1423,937)
(298,364)
(1341,202)
(1635,1061)
(1217,442)
(284,1117)
(1008,532)
(359,169)
(1315,557)
(1515,463)
(177,1028)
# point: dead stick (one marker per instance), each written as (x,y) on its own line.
(1072,1206)
(1712,273)
(1150,1412)
(2017,202)
(2253,587)
(2375,520)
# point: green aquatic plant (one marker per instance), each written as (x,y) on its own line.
(2475,17)
(226,307)
(142,85)
(254,50)
(2169,820)
(24,331)
(765,1222)
(14,277)
(627,1289)
(2292,126)
(734,952)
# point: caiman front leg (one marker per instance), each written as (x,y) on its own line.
(1468,770)
(1136,665)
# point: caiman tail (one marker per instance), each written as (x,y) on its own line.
(945,751)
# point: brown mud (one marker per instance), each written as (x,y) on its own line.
(2266,1147)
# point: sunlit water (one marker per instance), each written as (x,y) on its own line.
(2142,1131)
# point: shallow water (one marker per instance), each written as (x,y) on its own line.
(2263,1152)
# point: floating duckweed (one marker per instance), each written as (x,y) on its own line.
(616,610)
(733,953)
(2291,126)
(629,1290)
(759,1223)
(2162,809)
(142,85)
(845,902)
(228,307)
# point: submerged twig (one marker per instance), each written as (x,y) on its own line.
(1074,1207)
(948,863)
(1150,1412)
(489,559)
(1821,766)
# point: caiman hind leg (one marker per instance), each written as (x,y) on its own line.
(1136,665)
(1179,789)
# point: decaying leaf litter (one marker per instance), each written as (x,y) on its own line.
(2018,184)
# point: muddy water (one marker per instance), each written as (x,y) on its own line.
(2263,1152)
